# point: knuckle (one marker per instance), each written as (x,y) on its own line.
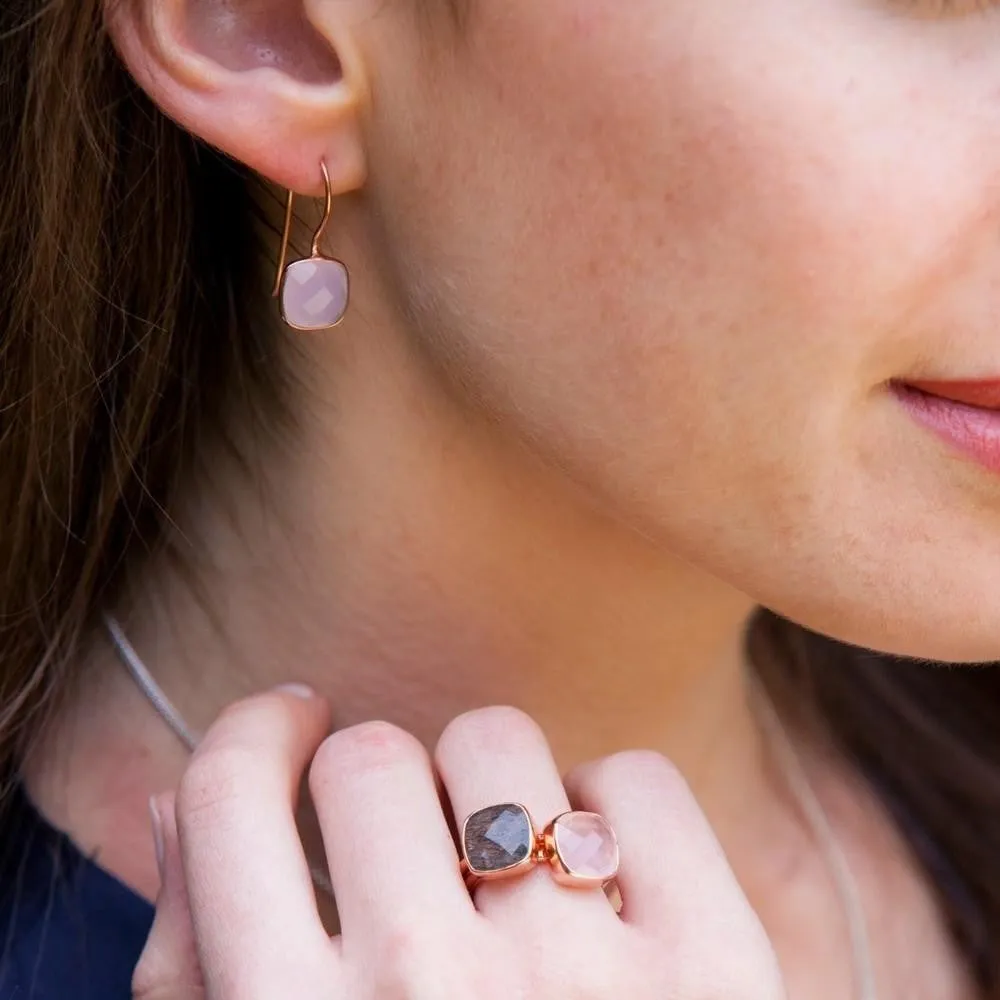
(490,731)
(249,715)
(407,946)
(755,971)
(648,768)
(369,746)
(741,967)
(411,965)
(644,772)
(214,780)
(418,964)
(271,717)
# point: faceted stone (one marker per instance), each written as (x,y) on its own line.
(586,845)
(314,293)
(498,838)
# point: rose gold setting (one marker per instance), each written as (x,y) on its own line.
(564,872)
(545,849)
(316,256)
(474,875)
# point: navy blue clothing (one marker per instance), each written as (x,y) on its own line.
(68,929)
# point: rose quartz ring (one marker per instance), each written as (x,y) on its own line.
(500,842)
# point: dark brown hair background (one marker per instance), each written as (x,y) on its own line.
(133,324)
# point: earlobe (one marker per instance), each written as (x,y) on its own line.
(264,85)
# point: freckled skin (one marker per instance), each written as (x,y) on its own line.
(681,247)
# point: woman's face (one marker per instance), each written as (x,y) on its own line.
(682,247)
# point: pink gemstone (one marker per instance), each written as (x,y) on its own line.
(314,294)
(586,845)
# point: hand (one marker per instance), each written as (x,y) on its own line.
(237,916)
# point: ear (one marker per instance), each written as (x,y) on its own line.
(276,84)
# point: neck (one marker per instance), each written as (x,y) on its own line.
(430,567)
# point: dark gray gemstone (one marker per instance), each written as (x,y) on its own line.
(498,838)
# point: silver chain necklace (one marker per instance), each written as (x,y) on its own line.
(164,707)
(792,767)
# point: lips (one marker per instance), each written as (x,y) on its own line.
(983,394)
(964,414)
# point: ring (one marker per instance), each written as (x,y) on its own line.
(500,842)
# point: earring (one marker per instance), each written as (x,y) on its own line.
(313,293)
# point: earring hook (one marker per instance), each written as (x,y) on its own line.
(287,234)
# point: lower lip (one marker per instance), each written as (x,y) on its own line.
(972,430)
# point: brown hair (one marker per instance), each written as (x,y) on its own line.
(129,282)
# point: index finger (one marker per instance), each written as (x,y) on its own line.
(252,902)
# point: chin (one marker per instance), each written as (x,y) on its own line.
(937,628)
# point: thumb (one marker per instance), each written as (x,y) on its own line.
(168,968)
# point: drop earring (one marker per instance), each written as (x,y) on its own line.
(313,293)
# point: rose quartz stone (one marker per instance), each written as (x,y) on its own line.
(314,294)
(587,845)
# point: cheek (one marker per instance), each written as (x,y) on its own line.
(685,257)
(669,208)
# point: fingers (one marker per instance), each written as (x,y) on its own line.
(673,872)
(496,755)
(391,855)
(406,915)
(168,968)
(251,897)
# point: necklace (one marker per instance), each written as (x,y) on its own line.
(165,709)
(788,757)
(840,870)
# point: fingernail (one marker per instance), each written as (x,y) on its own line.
(302,691)
(154,814)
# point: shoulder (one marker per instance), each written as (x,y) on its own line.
(67,928)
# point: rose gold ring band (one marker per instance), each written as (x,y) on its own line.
(501,842)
